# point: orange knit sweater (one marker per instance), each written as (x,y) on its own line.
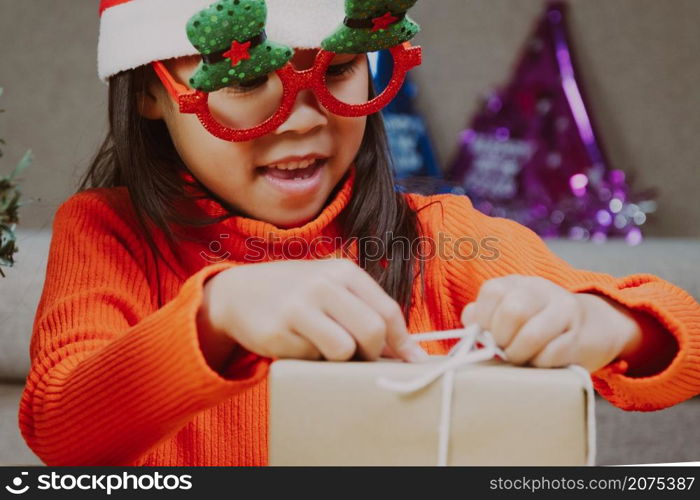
(117,380)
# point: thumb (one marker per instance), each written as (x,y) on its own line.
(558,352)
(468,314)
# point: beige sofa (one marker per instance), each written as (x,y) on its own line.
(670,435)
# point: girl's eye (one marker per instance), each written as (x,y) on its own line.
(347,68)
(246,87)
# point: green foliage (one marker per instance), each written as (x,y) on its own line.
(9,208)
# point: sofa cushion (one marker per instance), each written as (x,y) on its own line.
(674,259)
(14,450)
(20,291)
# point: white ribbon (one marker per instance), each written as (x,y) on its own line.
(464,353)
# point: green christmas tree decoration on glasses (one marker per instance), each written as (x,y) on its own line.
(370,26)
(230,35)
(245,86)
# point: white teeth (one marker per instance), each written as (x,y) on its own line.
(302,176)
(293,165)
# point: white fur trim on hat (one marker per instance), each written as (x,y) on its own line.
(138,32)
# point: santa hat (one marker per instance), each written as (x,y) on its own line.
(137,32)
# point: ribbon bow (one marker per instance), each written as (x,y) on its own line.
(463,353)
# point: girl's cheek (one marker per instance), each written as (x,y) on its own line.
(350,134)
(194,144)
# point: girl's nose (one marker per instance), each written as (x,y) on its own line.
(307,114)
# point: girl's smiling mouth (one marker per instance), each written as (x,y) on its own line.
(295,181)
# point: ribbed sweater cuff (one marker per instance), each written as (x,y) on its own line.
(189,367)
(678,313)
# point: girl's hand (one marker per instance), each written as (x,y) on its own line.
(328,308)
(538,322)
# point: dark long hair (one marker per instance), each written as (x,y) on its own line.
(139,154)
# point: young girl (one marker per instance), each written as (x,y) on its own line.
(242,209)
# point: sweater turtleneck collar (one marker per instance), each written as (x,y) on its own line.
(237,232)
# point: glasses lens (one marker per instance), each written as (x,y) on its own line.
(247,105)
(346,77)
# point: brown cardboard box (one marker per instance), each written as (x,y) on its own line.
(335,413)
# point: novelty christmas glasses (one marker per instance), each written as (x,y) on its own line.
(245,86)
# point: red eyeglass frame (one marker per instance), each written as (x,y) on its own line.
(192,101)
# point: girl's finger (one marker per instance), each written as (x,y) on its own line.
(387,352)
(325,334)
(467,316)
(512,313)
(557,353)
(294,346)
(490,295)
(367,327)
(537,332)
(399,340)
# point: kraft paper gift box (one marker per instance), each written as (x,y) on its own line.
(493,413)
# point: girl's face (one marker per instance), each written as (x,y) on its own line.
(255,177)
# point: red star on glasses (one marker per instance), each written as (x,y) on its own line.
(238,52)
(383,22)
